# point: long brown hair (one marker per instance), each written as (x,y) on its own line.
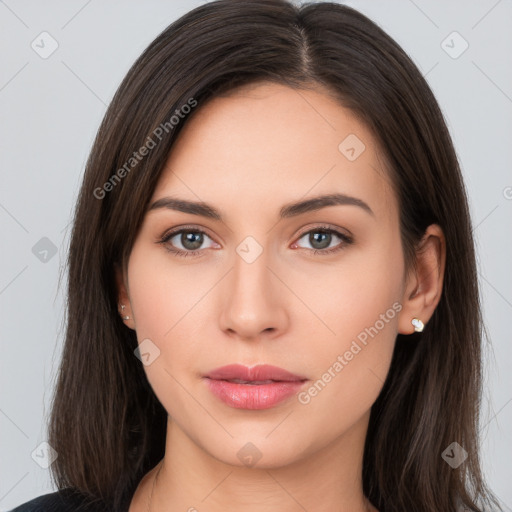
(106,423)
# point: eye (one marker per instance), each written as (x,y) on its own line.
(190,240)
(321,239)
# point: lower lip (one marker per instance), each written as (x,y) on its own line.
(253,396)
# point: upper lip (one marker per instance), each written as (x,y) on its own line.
(255,373)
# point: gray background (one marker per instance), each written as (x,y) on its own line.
(51,109)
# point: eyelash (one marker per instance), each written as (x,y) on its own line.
(346,240)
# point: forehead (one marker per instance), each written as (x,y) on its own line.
(267,143)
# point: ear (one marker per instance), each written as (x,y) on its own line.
(123,297)
(424,283)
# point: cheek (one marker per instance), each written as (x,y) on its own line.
(166,307)
(360,292)
(347,386)
(161,300)
(360,307)
(350,369)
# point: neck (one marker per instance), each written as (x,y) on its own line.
(322,478)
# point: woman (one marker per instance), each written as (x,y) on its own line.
(273,299)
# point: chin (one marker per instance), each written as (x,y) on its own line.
(259,451)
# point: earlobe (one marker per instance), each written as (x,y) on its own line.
(418,325)
(124,304)
(424,284)
(123,315)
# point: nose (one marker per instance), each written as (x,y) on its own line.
(254,302)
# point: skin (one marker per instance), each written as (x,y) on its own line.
(248,154)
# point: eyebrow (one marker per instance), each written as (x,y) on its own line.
(287,211)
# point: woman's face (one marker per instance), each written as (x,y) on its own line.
(254,291)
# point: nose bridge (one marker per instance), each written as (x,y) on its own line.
(250,270)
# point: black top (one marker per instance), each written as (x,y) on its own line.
(64,501)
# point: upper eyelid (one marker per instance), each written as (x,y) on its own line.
(171,233)
(325,227)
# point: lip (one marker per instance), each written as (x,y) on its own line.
(263,386)
(255,373)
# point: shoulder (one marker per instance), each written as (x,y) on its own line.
(59,501)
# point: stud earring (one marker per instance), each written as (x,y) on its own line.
(418,324)
(125,317)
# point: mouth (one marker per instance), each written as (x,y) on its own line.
(250,382)
(259,387)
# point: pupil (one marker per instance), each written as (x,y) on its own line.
(188,238)
(324,243)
